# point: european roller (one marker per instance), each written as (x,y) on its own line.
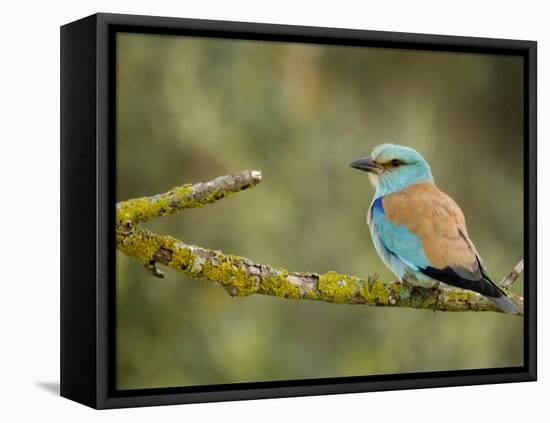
(418,231)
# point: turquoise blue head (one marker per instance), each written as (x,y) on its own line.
(392,167)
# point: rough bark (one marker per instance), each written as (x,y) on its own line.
(242,277)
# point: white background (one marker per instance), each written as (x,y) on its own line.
(29,168)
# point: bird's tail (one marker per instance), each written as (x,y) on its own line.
(494,293)
(484,286)
(505,304)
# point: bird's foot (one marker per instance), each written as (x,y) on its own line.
(406,281)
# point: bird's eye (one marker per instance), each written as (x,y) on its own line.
(396,163)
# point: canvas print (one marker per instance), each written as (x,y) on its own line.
(291,211)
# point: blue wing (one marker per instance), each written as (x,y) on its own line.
(399,248)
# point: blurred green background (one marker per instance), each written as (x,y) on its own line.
(191,109)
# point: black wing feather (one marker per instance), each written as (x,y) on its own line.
(483,285)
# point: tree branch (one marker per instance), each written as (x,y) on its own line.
(140,210)
(242,277)
(511,277)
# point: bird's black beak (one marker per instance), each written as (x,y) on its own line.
(367,164)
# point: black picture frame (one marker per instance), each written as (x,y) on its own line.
(87,210)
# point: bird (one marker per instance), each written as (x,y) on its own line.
(419,231)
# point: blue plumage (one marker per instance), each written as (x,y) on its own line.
(400,249)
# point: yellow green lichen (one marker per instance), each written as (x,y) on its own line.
(463,296)
(374,292)
(277,284)
(227,270)
(146,208)
(336,287)
(426,301)
(184,258)
(142,209)
(142,245)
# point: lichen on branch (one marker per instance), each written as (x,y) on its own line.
(242,277)
(140,210)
